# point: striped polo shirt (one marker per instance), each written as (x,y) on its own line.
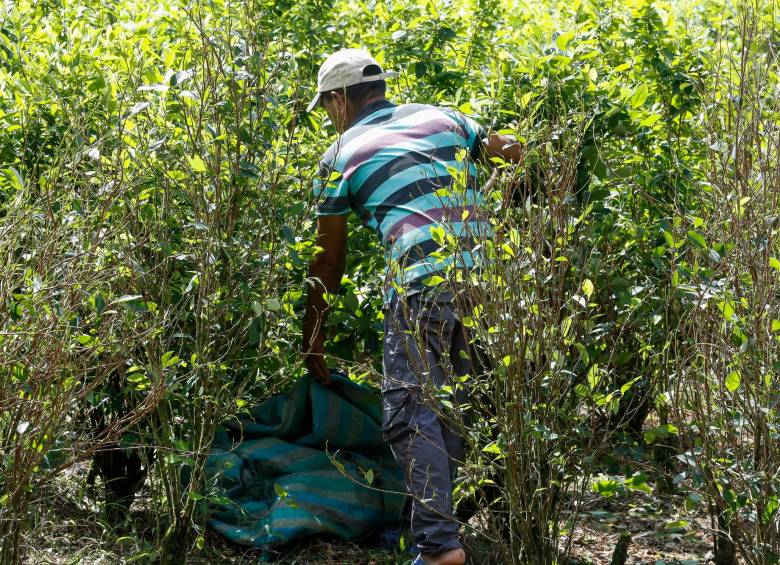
(407,171)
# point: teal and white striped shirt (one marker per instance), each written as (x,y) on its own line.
(398,167)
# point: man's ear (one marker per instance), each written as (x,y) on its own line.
(341,94)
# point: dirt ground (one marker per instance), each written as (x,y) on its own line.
(69,531)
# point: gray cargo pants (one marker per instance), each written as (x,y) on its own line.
(423,341)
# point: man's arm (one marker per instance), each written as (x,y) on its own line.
(325,270)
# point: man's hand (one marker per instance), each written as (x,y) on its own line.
(325,274)
(508,149)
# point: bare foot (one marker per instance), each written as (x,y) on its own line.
(452,557)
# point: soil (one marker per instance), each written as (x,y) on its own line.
(69,529)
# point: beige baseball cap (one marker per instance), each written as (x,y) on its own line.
(345,68)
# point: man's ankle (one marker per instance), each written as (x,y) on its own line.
(451,557)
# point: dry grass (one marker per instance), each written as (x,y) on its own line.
(70,531)
(648,518)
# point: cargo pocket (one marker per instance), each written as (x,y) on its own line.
(395,412)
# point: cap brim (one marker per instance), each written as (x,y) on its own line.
(314,102)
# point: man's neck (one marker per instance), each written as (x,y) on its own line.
(365,109)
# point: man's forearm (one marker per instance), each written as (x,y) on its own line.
(325,278)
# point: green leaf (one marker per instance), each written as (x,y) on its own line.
(181,77)
(98,83)
(638,482)
(370,477)
(660,432)
(438,234)
(566,326)
(676,525)
(587,288)
(98,302)
(606,488)
(650,120)
(492,448)
(692,500)
(435,280)
(247,169)
(584,355)
(257,308)
(127,298)
(727,309)
(563,40)
(774,263)
(696,239)
(85,340)
(14,177)
(197,164)
(220,499)
(169,359)
(136,108)
(626,387)
(733,380)
(594,377)
(772,506)
(639,96)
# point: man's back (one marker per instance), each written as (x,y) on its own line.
(404,170)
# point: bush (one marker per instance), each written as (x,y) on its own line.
(156,224)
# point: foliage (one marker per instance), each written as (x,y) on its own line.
(156,223)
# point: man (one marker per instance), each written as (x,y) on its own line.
(393,165)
